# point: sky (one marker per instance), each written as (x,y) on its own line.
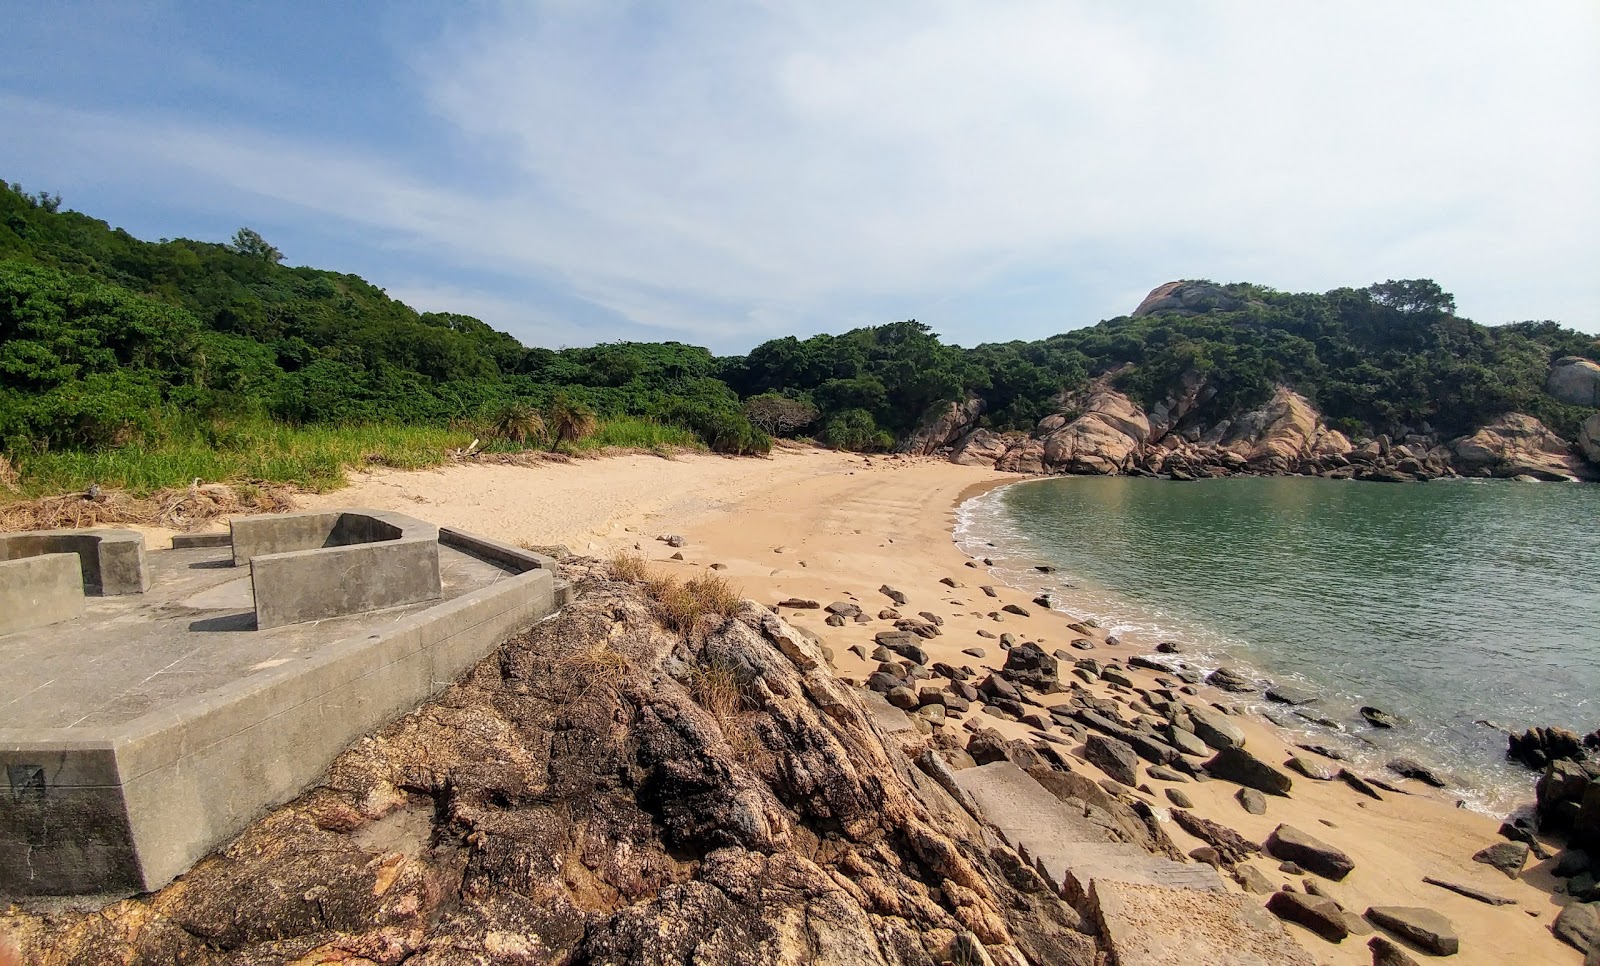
(723,173)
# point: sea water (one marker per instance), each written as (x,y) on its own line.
(1448,603)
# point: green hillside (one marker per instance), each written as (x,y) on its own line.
(109,343)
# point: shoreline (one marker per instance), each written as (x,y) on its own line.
(826,526)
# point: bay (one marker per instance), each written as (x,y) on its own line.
(1448,603)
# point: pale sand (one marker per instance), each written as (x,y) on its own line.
(829,526)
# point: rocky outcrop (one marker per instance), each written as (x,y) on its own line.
(601,790)
(1519,445)
(1589,439)
(941,426)
(1188,298)
(1575,381)
(1099,431)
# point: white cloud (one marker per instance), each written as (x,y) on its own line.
(729,172)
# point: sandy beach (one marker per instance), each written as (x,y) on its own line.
(831,526)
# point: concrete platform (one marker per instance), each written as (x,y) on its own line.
(149,731)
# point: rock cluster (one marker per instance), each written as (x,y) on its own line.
(1099,430)
(602,790)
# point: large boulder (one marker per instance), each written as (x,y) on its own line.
(941,426)
(1574,381)
(1276,435)
(1187,297)
(1589,438)
(1519,445)
(981,447)
(1424,928)
(1104,437)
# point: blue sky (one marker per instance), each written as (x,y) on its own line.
(723,172)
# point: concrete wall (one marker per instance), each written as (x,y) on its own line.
(183,781)
(312,566)
(309,585)
(35,591)
(111,561)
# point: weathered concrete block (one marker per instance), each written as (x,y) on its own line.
(35,591)
(111,561)
(312,566)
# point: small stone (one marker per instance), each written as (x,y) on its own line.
(951,582)
(834,620)
(676,556)
(1251,879)
(892,594)
(1178,797)
(1163,773)
(1317,914)
(1311,769)
(1290,868)
(1253,801)
(1290,844)
(1168,647)
(1015,609)
(1508,857)
(1424,928)
(1379,718)
(903,698)
(1290,696)
(799,603)
(1113,757)
(673,540)
(990,591)
(1242,768)
(844,608)
(1206,855)
(1411,769)
(1386,953)
(1230,680)
(986,635)
(1578,925)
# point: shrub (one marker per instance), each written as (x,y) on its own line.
(516,422)
(855,429)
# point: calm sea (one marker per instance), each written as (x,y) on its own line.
(1446,603)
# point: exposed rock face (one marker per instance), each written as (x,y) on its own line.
(1103,439)
(1589,439)
(1187,298)
(1519,445)
(602,791)
(941,426)
(1574,381)
(1278,435)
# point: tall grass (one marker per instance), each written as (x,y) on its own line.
(636,433)
(314,457)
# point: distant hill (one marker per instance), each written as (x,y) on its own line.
(106,339)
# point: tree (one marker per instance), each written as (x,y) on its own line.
(249,243)
(779,415)
(517,422)
(569,420)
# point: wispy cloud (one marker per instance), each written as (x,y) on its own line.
(726,172)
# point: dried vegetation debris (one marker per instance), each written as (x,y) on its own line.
(186,508)
(604,790)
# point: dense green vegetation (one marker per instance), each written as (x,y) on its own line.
(116,349)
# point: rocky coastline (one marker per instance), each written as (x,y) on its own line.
(1100,430)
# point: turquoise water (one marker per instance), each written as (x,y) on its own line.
(1446,602)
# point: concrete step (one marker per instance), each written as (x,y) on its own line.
(1147,925)
(1067,849)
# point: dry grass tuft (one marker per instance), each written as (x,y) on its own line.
(725,696)
(177,509)
(629,566)
(575,676)
(693,607)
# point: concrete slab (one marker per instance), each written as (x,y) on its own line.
(161,725)
(1146,925)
